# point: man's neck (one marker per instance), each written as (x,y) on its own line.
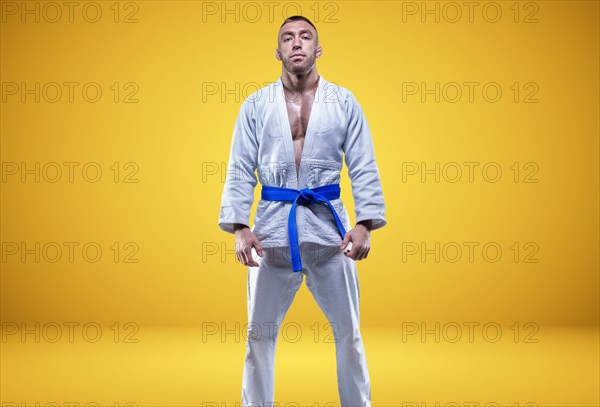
(300,83)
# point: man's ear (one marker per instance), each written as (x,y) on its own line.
(319,51)
(277,54)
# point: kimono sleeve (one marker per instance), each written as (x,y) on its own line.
(362,168)
(240,179)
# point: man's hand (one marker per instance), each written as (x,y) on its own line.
(245,240)
(361,241)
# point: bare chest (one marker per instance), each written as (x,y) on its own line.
(298,109)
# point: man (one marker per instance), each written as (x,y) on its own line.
(294,133)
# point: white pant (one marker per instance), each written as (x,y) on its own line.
(331,278)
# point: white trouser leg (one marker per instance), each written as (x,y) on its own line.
(332,279)
(272,287)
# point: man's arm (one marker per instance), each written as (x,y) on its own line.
(367,224)
(369,205)
(240,181)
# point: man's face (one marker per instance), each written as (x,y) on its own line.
(298,48)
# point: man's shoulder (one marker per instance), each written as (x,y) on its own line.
(334,92)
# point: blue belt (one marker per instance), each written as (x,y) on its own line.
(303,197)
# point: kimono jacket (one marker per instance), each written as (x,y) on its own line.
(262,142)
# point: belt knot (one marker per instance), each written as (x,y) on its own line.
(307,196)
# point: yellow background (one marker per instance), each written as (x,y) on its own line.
(178,135)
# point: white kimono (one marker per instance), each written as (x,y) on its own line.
(262,141)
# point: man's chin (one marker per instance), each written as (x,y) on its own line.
(297,69)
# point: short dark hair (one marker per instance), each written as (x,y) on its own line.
(300,18)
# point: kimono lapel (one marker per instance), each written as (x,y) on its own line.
(299,180)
